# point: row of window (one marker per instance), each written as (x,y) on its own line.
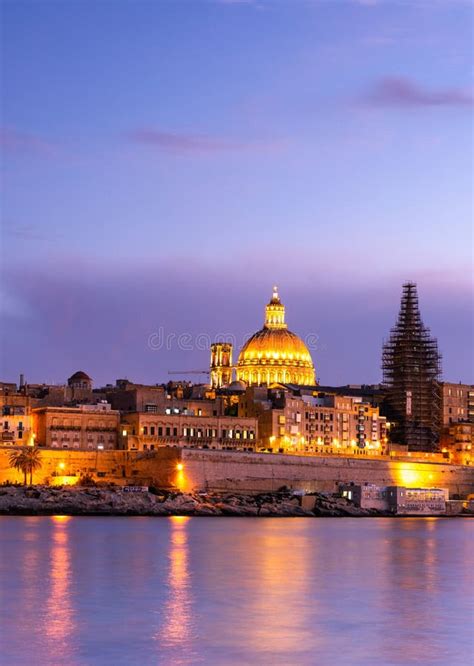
(231,433)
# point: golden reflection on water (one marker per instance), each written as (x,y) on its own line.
(176,629)
(60,623)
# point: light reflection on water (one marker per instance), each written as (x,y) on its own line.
(184,591)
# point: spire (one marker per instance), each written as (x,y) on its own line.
(275,312)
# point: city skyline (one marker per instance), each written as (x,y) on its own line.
(169,181)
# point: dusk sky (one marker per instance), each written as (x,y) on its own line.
(165,163)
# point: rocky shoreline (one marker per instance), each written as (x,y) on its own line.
(115,501)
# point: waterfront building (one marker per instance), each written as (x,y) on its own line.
(148,431)
(93,427)
(411,370)
(397,499)
(274,353)
(294,422)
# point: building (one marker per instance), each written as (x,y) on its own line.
(274,353)
(291,422)
(457,443)
(79,387)
(16,423)
(366,496)
(397,499)
(457,403)
(93,427)
(411,371)
(417,501)
(147,431)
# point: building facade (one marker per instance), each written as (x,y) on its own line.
(16,424)
(87,427)
(457,403)
(146,431)
(313,423)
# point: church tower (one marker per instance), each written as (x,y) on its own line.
(221,364)
(411,369)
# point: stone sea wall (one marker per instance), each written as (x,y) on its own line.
(240,472)
(251,472)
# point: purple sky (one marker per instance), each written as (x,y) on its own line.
(165,163)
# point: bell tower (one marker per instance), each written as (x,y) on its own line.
(221,364)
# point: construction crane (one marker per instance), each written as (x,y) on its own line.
(188,372)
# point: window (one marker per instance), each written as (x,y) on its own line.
(152,430)
(168,432)
(145,430)
(160,431)
(20,434)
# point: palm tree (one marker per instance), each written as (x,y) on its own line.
(27,459)
(33,461)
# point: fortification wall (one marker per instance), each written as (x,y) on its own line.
(121,467)
(238,471)
(253,472)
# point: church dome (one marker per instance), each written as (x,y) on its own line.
(275,354)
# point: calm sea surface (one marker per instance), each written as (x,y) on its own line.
(236,591)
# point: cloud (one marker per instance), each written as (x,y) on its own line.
(13,141)
(183,143)
(401,92)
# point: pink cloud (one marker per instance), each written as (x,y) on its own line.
(183,143)
(399,91)
(13,141)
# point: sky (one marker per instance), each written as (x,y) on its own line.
(164,163)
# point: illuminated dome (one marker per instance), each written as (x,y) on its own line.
(275,354)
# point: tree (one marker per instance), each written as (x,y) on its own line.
(27,460)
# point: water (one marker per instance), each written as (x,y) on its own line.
(222,591)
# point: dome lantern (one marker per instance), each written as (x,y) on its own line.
(275,312)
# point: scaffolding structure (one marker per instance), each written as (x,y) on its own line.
(411,367)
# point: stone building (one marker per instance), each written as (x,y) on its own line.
(148,431)
(79,388)
(289,421)
(457,403)
(457,443)
(93,427)
(16,423)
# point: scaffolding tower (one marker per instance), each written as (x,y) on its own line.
(411,367)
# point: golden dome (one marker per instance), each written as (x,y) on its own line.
(275,354)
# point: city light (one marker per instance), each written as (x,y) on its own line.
(180,467)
